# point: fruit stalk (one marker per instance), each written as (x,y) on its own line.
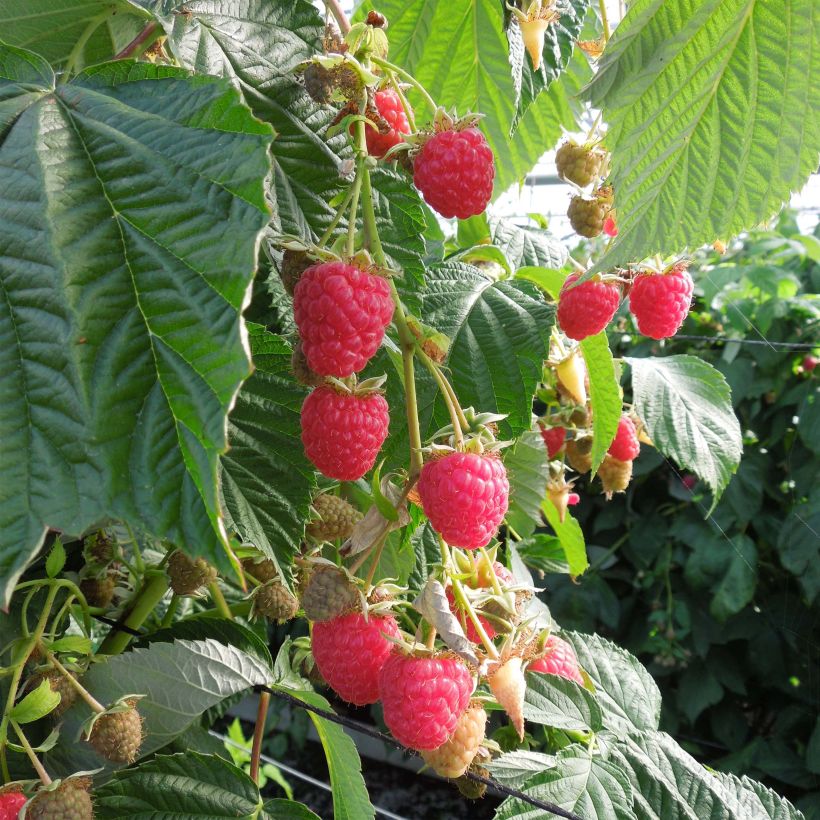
(219,601)
(258,734)
(35,761)
(150,594)
(604,20)
(407,77)
(93,703)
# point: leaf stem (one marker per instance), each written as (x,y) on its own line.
(604,20)
(341,18)
(139,43)
(173,606)
(74,55)
(338,215)
(35,761)
(464,604)
(407,77)
(219,601)
(258,734)
(408,111)
(456,414)
(95,705)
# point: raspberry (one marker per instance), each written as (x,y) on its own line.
(454,757)
(350,651)
(57,683)
(336,518)
(625,446)
(423,698)
(809,363)
(70,800)
(98,591)
(553,439)
(614,474)
(273,601)
(466,624)
(579,164)
(117,736)
(465,496)
(559,659)
(328,593)
(393,127)
(473,789)
(660,302)
(98,549)
(586,309)
(587,216)
(342,433)
(341,312)
(187,575)
(610,225)
(263,571)
(319,83)
(579,454)
(573,499)
(454,172)
(10,805)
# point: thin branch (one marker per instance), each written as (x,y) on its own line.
(133,47)
(258,734)
(341,18)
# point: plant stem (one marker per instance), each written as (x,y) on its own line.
(408,111)
(341,18)
(454,410)
(95,705)
(35,761)
(376,558)
(354,208)
(493,577)
(258,734)
(337,216)
(431,103)
(173,606)
(219,600)
(139,43)
(464,603)
(82,40)
(604,20)
(150,594)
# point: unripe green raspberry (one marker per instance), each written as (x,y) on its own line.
(98,549)
(615,475)
(98,591)
(328,593)
(472,789)
(587,215)
(117,736)
(579,454)
(275,602)
(578,163)
(70,800)
(188,575)
(263,571)
(335,518)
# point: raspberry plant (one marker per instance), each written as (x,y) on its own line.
(226,295)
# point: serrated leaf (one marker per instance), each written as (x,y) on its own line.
(36,704)
(559,40)
(548,279)
(527,466)
(752,799)
(286,810)
(627,693)
(266,478)
(563,704)
(711,129)
(799,547)
(56,559)
(90,30)
(544,553)
(499,333)
(571,536)
(514,768)
(72,645)
(180,681)
(686,407)
(460,54)
(188,785)
(137,195)
(350,798)
(586,785)
(526,247)
(604,394)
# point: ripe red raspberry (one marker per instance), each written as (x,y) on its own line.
(573,499)
(350,651)
(660,302)
(423,698)
(560,659)
(454,172)
(586,309)
(809,363)
(465,496)
(391,111)
(625,446)
(342,433)
(553,439)
(341,312)
(10,805)
(610,226)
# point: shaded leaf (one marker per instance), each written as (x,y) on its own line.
(604,393)
(571,537)
(514,768)
(527,470)
(563,704)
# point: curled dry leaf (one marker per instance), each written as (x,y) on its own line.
(374,525)
(432,603)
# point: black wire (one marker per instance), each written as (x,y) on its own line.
(784,346)
(375,734)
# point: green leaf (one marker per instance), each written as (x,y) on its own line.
(515,768)
(711,129)
(799,547)
(686,407)
(605,395)
(187,785)
(180,681)
(627,693)
(75,32)
(738,579)
(752,799)
(137,194)
(36,704)
(286,810)
(548,279)
(56,559)
(544,553)
(267,480)
(500,334)
(581,783)
(526,247)
(698,689)
(563,704)
(571,536)
(460,54)
(350,798)
(71,645)
(559,40)
(527,470)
